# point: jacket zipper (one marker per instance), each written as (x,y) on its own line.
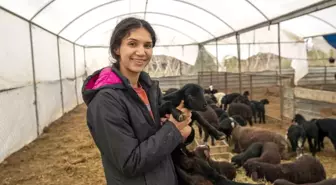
(147,113)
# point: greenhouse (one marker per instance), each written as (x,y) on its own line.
(280,50)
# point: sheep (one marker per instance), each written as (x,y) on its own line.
(242,99)
(222,167)
(219,97)
(327,128)
(211,117)
(258,108)
(170,90)
(297,137)
(323,182)
(227,99)
(269,154)
(311,131)
(211,90)
(243,137)
(189,165)
(254,150)
(306,169)
(193,96)
(241,109)
(225,125)
(210,101)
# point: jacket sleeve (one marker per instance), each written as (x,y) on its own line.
(116,140)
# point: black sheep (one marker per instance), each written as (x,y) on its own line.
(225,125)
(306,169)
(254,150)
(227,99)
(241,109)
(327,128)
(170,90)
(222,167)
(297,138)
(269,154)
(193,96)
(189,165)
(211,117)
(311,130)
(323,182)
(258,108)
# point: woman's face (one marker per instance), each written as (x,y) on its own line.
(135,50)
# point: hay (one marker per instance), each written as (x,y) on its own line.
(66,154)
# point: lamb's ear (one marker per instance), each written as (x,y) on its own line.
(172,96)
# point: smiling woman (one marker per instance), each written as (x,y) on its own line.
(123,116)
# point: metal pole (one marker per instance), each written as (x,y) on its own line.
(75,73)
(34,79)
(280,77)
(239,62)
(217,79)
(60,72)
(85,66)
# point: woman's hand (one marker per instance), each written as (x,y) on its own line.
(183,125)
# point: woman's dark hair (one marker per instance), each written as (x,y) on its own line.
(122,29)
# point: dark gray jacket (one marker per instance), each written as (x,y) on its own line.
(135,149)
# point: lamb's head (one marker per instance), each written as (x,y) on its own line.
(239,119)
(209,98)
(202,151)
(251,167)
(298,119)
(264,101)
(237,160)
(194,97)
(246,93)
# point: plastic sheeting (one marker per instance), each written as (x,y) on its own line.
(300,68)
(18,123)
(17,120)
(196,17)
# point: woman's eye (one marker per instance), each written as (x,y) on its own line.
(131,44)
(148,46)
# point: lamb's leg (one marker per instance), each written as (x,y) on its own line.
(168,108)
(206,137)
(212,141)
(311,146)
(207,126)
(333,139)
(186,179)
(250,121)
(260,116)
(199,130)
(263,116)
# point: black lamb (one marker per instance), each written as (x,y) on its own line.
(327,128)
(306,169)
(311,130)
(297,138)
(254,150)
(258,108)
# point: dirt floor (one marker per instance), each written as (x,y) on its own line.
(65,154)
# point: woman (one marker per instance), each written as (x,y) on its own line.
(123,116)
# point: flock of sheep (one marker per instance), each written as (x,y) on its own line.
(259,151)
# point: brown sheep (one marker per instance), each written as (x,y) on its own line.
(241,109)
(306,169)
(222,167)
(270,154)
(323,182)
(243,137)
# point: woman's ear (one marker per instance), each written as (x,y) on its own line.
(117,51)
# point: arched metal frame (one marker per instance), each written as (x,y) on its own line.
(180,32)
(326,22)
(159,13)
(299,12)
